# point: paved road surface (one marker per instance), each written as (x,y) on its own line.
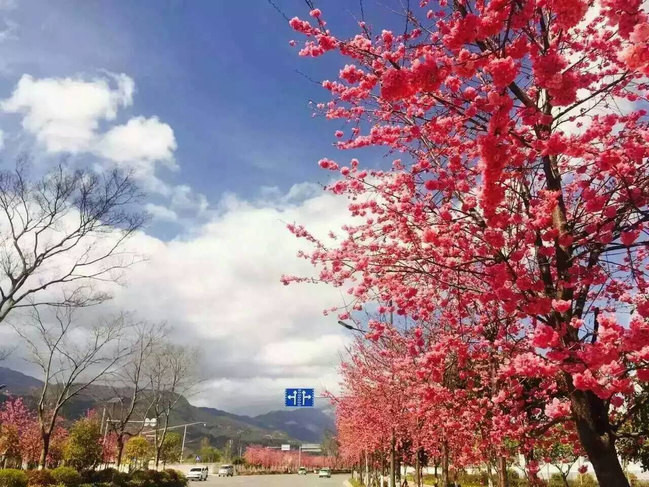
(294,480)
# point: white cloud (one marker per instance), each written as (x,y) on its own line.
(220,288)
(140,139)
(161,213)
(184,198)
(65,116)
(303,352)
(64,113)
(260,394)
(272,195)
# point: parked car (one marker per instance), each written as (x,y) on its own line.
(324,472)
(226,470)
(197,473)
(302,471)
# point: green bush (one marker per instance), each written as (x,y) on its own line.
(40,478)
(586,480)
(556,480)
(121,479)
(176,478)
(11,477)
(103,476)
(148,478)
(473,479)
(67,476)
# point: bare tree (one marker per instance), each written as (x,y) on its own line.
(172,375)
(130,383)
(71,358)
(66,227)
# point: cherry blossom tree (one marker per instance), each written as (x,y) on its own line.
(20,436)
(16,421)
(277,460)
(515,214)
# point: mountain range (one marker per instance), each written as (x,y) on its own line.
(221,427)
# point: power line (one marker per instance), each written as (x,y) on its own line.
(279,10)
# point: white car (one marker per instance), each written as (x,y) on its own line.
(324,472)
(226,471)
(197,473)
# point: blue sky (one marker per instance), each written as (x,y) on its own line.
(202,100)
(220,73)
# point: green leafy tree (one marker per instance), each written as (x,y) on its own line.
(138,451)
(633,430)
(330,444)
(171,446)
(83,449)
(207,452)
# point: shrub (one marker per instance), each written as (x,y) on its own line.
(149,478)
(122,479)
(586,480)
(99,476)
(471,479)
(11,477)
(176,478)
(556,480)
(83,449)
(40,478)
(67,476)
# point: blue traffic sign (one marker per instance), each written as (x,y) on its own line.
(299,398)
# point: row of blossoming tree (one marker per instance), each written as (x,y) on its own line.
(509,235)
(21,442)
(280,461)
(80,444)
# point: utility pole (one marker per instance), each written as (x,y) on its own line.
(182,448)
(103,416)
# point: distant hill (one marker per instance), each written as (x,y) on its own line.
(308,425)
(18,383)
(221,427)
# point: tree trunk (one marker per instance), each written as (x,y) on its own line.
(417,472)
(503,479)
(445,462)
(532,478)
(367,470)
(45,448)
(393,473)
(591,417)
(120,451)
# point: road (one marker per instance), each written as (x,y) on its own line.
(294,480)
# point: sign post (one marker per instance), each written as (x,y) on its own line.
(299,398)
